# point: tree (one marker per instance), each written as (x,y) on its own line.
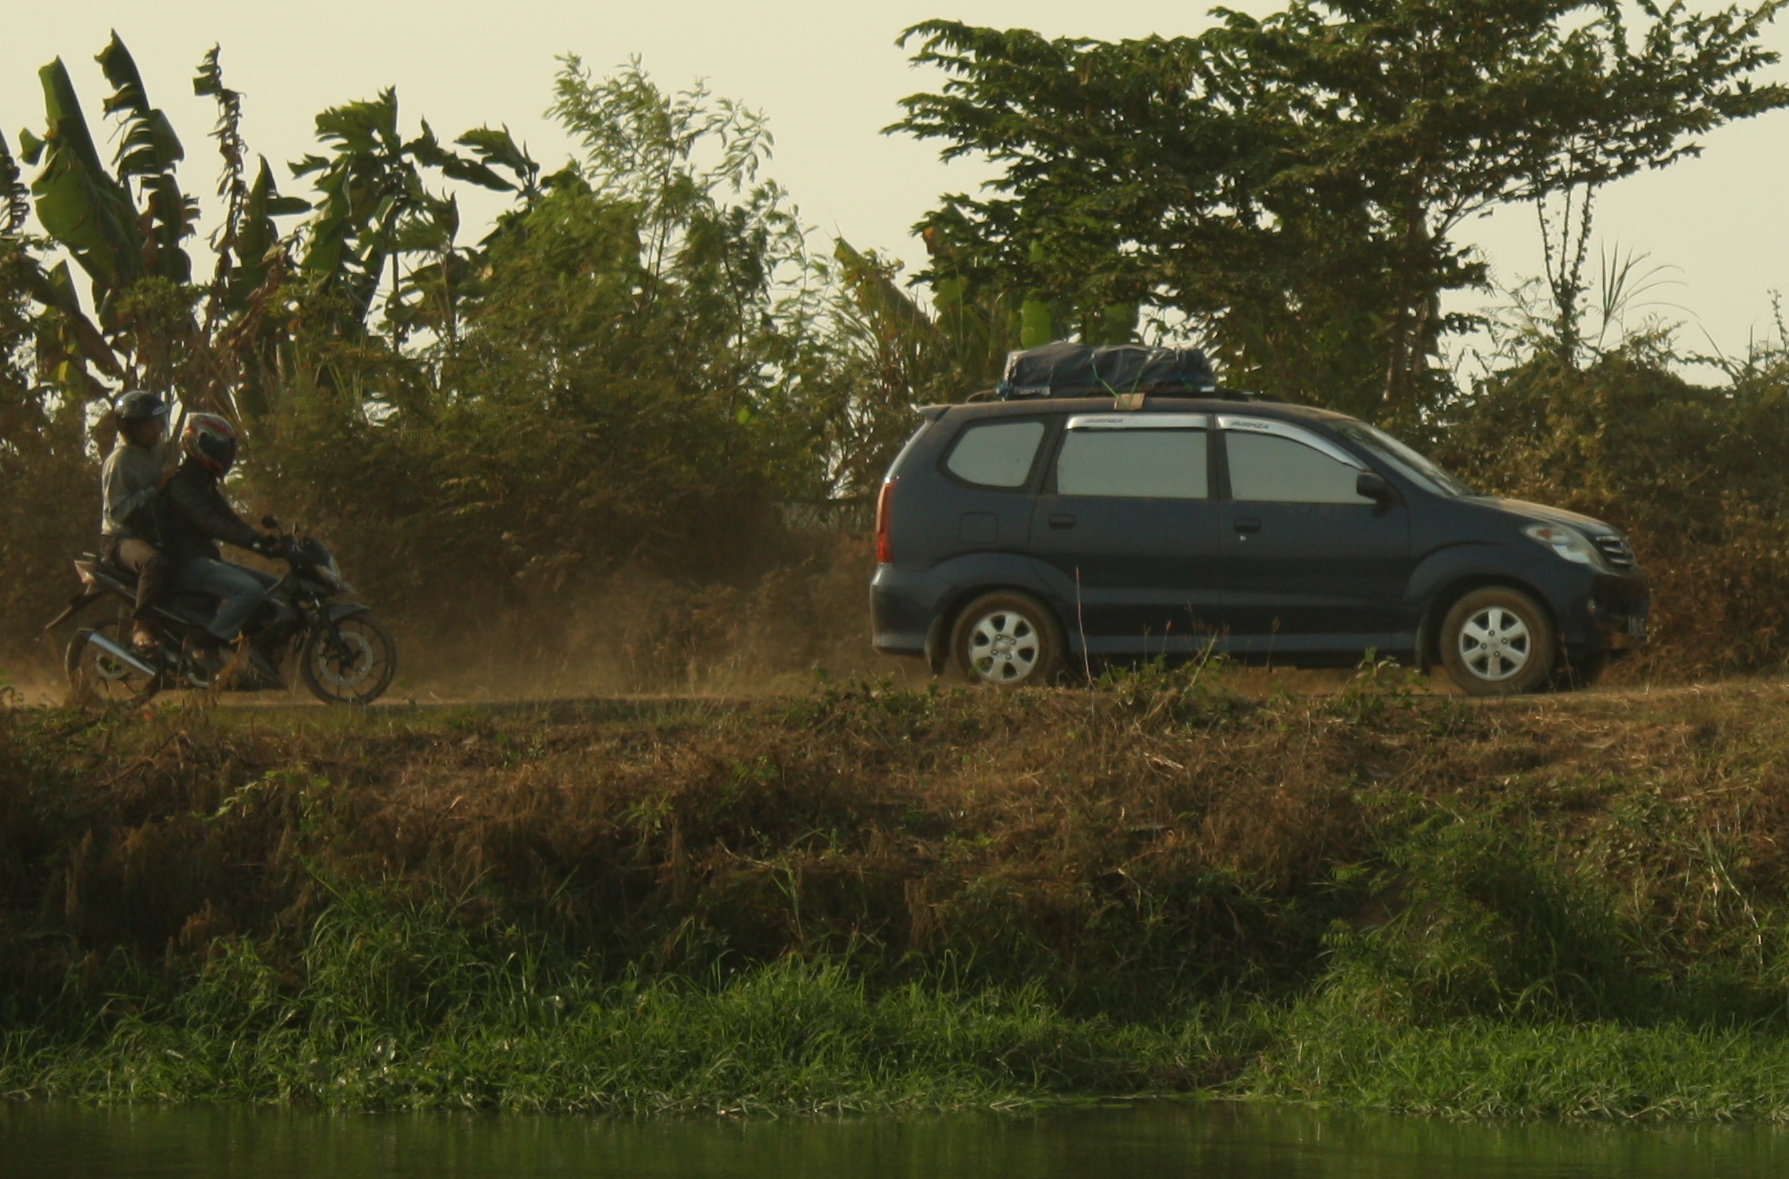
(1294,185)
(375,209)
(126,226)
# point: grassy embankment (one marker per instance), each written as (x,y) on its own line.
(873,899)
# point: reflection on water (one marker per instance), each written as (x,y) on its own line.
(1155,1139)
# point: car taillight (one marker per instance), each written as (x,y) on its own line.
(884,542)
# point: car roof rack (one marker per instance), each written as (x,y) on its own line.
(1218,393)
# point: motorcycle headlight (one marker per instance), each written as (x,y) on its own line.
(1566,542)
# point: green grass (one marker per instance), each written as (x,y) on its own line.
(407,1007)
(398,1006)
(1488,1068)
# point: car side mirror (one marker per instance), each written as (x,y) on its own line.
(270,523)
(1369,485)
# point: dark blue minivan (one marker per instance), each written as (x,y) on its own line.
(1019,539)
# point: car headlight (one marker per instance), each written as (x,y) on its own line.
(1566,542)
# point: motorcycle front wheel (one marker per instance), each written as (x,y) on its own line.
(96,673)
(355,671)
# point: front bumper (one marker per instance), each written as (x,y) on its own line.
(1618,611)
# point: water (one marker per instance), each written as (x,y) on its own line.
(1156,1139)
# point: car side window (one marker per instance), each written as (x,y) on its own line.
(1267,468)
(996,454)
(1152,464)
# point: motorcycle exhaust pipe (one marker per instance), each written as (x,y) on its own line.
(122,654)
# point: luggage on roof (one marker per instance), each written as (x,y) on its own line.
(1063,369)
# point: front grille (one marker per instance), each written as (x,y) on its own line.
(1615,551)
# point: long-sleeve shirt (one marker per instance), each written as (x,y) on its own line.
(198,516)
(127,487)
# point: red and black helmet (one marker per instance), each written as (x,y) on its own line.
(210,441)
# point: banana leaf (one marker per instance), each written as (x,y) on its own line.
(78,202)
(147,151)
(56,289)
(15,203)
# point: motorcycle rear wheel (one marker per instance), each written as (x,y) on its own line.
(93,672)
(357,675)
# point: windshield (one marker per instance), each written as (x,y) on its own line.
(1417,468)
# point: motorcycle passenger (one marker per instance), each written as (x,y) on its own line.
(198,517)
(129,481)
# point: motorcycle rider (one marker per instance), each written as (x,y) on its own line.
(198,517)
(129,481)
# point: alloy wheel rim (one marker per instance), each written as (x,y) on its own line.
(1495,644)
(1004,647)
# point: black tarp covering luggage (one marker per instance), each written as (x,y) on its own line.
(1063,369)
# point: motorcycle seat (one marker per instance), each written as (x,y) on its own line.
(101,565)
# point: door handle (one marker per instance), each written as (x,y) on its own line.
(1062,521)
(1248,524)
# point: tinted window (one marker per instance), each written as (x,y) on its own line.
(1264,467)
(1417,467)
(996,454)
(1165,464)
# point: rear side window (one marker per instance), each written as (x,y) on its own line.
(1141,464)
(1270,469)
(996,454)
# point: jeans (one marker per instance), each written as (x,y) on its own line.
(241,588)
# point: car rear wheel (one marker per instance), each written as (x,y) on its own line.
(1008,640)
(1497,641)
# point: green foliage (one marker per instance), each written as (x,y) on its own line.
(15,198)
(45,464)
(1378,686)
(1190,692)
(1292,184)
(1488,923)
(620,380)
(394,1006)
(375,207)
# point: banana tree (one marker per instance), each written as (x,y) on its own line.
(126,226)
(252,259)
(375,209)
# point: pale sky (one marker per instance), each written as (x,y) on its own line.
(828,75)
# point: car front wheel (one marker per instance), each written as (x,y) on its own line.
(1497,641)
(1009,640)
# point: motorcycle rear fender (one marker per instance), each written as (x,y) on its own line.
(76,604)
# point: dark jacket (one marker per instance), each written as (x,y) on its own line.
(195,516)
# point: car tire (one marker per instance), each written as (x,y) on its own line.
(1497,641)
(1007,640)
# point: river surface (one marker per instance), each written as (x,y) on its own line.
(1153,1139)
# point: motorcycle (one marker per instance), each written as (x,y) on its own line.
(344,655)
